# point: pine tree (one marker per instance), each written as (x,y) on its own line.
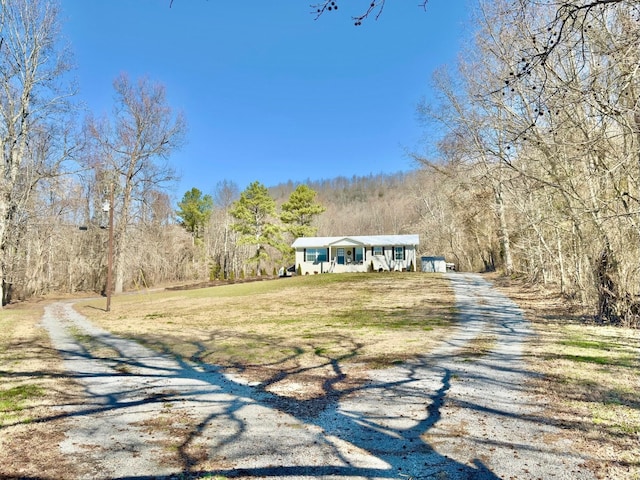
(254,213)
(299,211)
(195,210)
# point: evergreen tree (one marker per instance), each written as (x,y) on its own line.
(194,211)
(299,211)
(254,213)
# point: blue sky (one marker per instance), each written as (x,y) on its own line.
(269,93)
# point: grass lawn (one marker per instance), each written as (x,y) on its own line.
(300,327)
(590,378)
(30,384)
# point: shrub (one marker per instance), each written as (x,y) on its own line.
(214,271)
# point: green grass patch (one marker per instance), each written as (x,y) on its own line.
(590,344)
(20,353)
(613,361)
(592,347)
(587,359)
(619,420)
(14,399)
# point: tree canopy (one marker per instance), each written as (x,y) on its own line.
(299,212)
(254,213)
(132,148)
(194,211)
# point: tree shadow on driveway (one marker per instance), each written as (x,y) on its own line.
(143,409)
(370,431)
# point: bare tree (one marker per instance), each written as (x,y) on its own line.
(33,101)
(133,149)
(566,131)
(226,192)
(474,143)
(566,27)
(371,8)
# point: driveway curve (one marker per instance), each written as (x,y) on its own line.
(454,414)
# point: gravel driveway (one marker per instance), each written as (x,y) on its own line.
(451,415)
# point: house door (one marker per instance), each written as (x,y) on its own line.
(340,256)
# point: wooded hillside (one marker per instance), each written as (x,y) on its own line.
(533,169)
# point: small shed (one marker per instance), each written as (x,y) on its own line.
(433,264)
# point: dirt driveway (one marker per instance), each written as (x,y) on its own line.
(455,414)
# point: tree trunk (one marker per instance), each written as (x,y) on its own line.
(608,297)
(505,244)
(561,263)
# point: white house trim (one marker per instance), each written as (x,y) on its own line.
(358,253)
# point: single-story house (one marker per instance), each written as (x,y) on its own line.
(358,253)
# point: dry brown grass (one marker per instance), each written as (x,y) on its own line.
(298,328)
(478,347)
(30,385)
(590,378)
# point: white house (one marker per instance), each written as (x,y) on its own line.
(356,253)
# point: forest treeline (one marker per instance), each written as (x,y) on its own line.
(532,168)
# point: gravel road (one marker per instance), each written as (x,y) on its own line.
(451,415)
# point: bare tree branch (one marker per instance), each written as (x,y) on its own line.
(375,8)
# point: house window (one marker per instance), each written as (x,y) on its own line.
(398,253)
(378,250)
(358,255)
(316,255)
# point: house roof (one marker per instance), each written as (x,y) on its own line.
(362,240)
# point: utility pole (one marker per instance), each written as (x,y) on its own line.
(110,253)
